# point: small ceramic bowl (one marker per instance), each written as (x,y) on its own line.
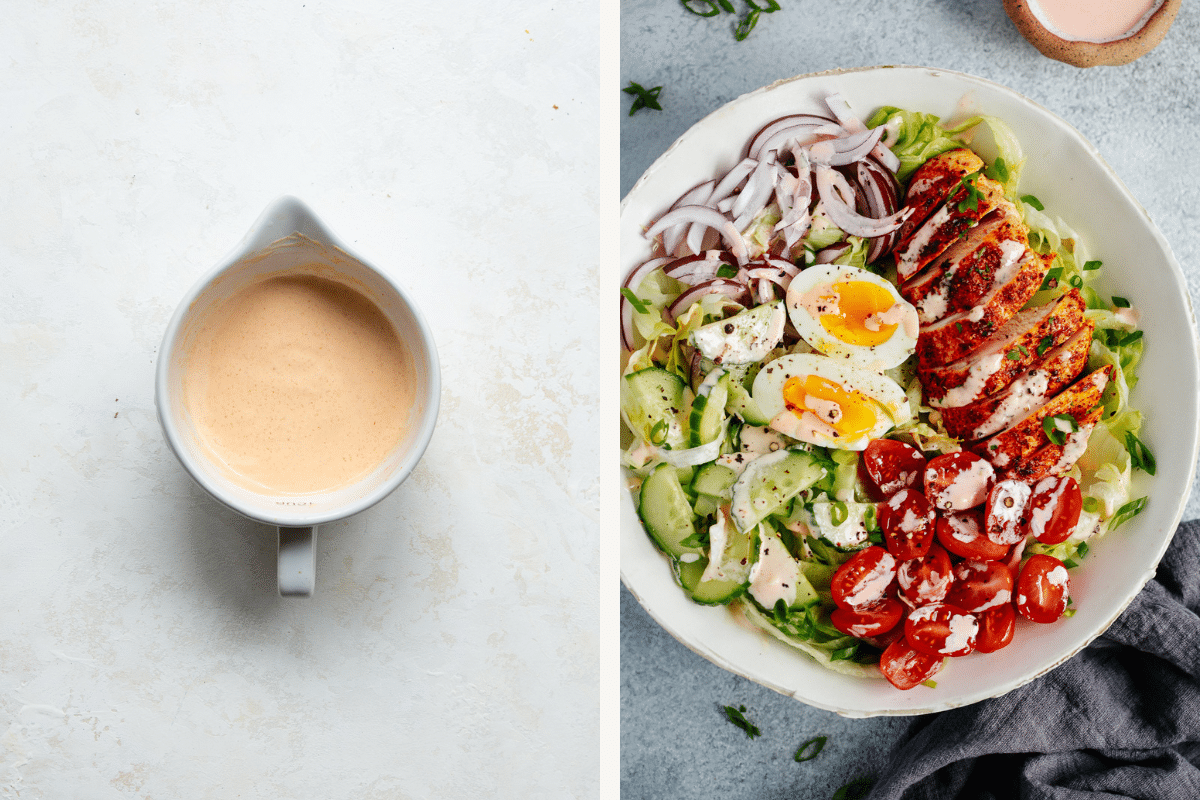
(1068,175)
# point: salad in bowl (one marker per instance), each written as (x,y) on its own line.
(876,395)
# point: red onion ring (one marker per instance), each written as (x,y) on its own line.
(697,196)
(732,289)
(837,195)
(697,269)
(827,255)
(773,127)
(708,217)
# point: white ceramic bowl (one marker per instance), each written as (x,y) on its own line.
(1068,175)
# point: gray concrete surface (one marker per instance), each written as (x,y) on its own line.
(1145,120)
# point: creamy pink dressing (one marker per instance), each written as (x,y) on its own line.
(298,384)
(1095,21)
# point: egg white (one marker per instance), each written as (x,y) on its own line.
(818,279)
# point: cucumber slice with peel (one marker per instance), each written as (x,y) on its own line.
(770,481)
(666,512)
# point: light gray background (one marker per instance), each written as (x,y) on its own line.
(1144,119)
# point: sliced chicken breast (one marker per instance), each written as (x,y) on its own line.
(961,211)
(1078,401)
(1017,278)
(1046,378)
(1004,355)
(962,275)
(934,181)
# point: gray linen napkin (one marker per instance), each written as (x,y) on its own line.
(1120,719)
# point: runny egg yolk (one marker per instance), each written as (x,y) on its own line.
(850,413)
(858,301)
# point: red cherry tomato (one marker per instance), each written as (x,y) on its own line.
(905,667)
(1043,589)
(925,580)
(962,534)
(907,521)
(1053,510)
(864,579)
(887,466)
(941,629)
(884,640)
(980,585)
(958,481)
(996,628)
(1004,519)
(873,620)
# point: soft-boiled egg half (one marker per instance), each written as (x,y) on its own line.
(826,402)
(849,313)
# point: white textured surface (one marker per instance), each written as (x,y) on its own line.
(451,649)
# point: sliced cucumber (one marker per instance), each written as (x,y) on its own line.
(741,403)
(770,481)
(708,416)
(714,480)
(666,513)
(706,593)
(653,402)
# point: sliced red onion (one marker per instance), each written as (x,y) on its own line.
(697,196)
(694,270)
(787,139)
(708,217)
(879,198)
(764,291)
(773,127)
(782,264)
(732,289)
(886,157)
(838,198)
(827,255)
(846,149)
(756,194)
(844,114)
(632,281)
(636,275)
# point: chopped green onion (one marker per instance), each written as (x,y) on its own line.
(1120,302)
(871,519)
(1013,355)
(1129,338)
(1092,265)
(767,9)
(1139,455)
(971,201)
(634,300)
(1058,426)
(1127,512)
(931,683)
(998,170)
(658,433)
(736,717)
(1070,612)
(811,749)
(1076,281)
(1051,279)
(726,271)
(1045,344)
(1091,505)
(854,790)
(780,610)
(845,653)
(1070,563)
(1083,546)
(838,512)
(643,97)
(1033,201)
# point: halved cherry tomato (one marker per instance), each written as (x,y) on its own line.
(958,481)
(1043,589)
(980,585)
(884,640)
(873,620)
(907,521)
(1004,519)
(941,629)
(927,579)
(887,466)
(905,667)
(962,534)
(1053,510)
(864,579)
(996,628)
